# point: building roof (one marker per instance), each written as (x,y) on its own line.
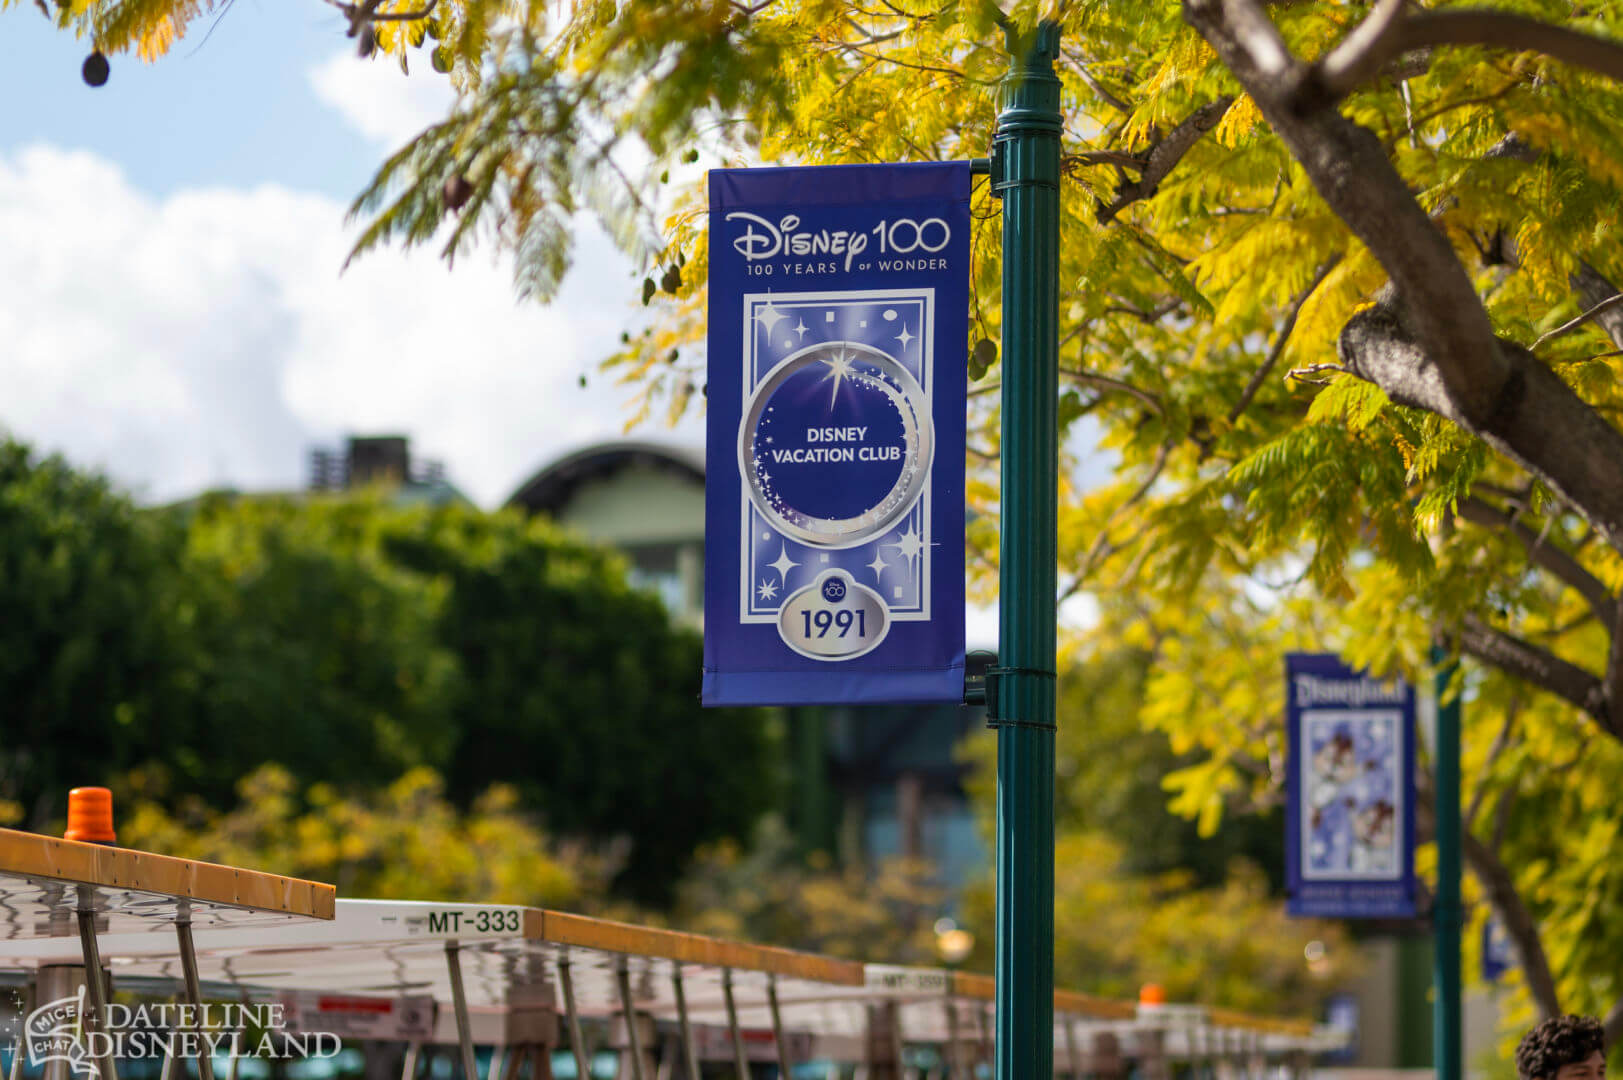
(551,488)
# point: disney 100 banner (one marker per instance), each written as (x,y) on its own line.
(838,353)
(1349,810)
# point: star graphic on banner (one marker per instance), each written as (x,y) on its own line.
(839,369)
(904,337)
(878,565)
(909,544)
(768,590)
(802,329)
(784,564)
(769,317)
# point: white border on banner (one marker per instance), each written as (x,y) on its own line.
(919,515)
(1400,767)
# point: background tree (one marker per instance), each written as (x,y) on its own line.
(1140,894)
(309,647)
(82,628)
(1409,209)
(403,840)
(577,690)
(882,912)
(349,642)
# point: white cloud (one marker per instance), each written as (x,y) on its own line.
(208,338)
(380,102)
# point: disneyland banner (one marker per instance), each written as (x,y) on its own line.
(1349,812)
(838,352)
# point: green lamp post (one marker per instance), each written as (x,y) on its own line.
(1026,175)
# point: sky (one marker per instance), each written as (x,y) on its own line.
(172,309)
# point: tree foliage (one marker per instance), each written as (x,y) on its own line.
(403,840)
(1409,209)
(766,892)
(82,628)
(353,640)
(350,642)
(1140,895)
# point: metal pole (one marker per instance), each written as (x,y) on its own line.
(622,975)
(236,1050)
(955,1051)
(408,1067)
(459,1001)
(194,994)
(95,990)
(577,1045)
(1446,913)
(1070,1048)
(777,1027)
(690,1060)
(739,1062)
(1025,174)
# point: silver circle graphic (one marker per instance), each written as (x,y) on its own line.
(918,432)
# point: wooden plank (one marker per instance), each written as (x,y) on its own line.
(1267,1024)
(982,988)
(46,858)
(582,931)
(973,986)
(1074,1003)
(1070,1001)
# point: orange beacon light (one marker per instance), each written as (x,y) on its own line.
(90,816)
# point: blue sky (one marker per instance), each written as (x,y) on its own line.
(236,110)
(171,309)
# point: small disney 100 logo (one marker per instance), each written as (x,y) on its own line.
(898,236)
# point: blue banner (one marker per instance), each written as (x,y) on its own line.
(1498,955)
(834,479)
(1349,810)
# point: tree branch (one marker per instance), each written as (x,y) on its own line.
(1538,666)
(1501,29)
(1612,1026)
(1500,741)
(1284,337)
(1502,895)
(1101,543)
(1592,287)
(1098,87)
(1104,157)
(1593,291)
(1430,343)
(1611,687)
(1364,51)
(1518,922)
(1567,327)
(1107,383)
(1533,417)
(1163,157)
(1350,169)
(1545,555)
(1389,32)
